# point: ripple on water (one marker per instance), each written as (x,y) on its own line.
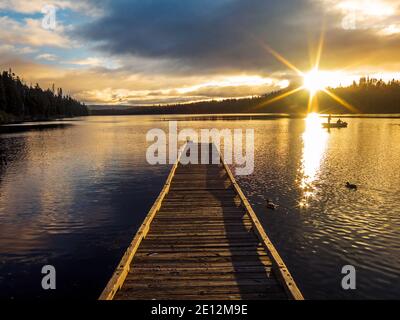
(75,196)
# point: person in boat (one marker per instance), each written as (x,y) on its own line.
(339,121)
(329,119)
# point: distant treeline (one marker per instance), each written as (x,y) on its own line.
(367,96)
(19,102)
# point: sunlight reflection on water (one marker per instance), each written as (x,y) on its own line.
(315,140)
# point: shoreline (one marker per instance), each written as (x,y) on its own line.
(23,127)
(16,121)
(42,122)
(33,120)
(257,116)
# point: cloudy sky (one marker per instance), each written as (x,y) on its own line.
(165,51)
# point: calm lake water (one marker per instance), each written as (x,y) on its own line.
(74,196)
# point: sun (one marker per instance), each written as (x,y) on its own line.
(314,81)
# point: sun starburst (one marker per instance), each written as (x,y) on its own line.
(314,81)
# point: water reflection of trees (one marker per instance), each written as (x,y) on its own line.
(12,149)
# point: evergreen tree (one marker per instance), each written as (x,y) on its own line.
(3,100)
(23,102)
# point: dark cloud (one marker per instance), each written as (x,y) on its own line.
(202,36)
(357,48)
(206,33)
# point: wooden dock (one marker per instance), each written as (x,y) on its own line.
(201,240)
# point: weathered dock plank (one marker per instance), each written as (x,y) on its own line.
(201,240)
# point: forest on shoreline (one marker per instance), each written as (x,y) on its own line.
(20,102)
(368,96)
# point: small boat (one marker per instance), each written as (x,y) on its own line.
(335,125)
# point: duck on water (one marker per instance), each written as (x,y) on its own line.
(351,186)
(271,205)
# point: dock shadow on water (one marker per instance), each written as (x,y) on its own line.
(248,272)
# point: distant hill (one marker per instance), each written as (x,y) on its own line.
(368,96)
